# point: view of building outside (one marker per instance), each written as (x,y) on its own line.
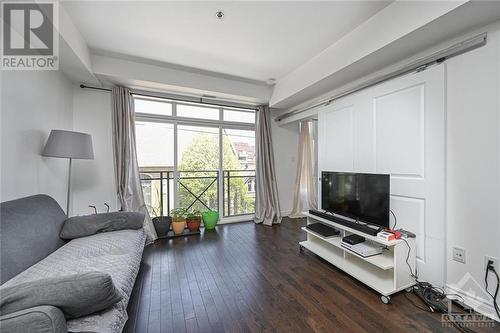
(198,165)
(239,171)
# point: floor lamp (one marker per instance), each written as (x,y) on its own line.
(68,144)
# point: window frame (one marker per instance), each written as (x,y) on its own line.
(221,124)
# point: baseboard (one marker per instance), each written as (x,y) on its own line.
(236,219)
(479,304)
(286,213)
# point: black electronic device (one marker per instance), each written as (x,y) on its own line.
(323,229)
(353,239)
(361,196)
(372,231)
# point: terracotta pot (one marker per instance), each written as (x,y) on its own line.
(178,225)
(193,224)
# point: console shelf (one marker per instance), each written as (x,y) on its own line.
(386,273)
(384,261)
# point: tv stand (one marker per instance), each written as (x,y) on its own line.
(386,273)
(364,228)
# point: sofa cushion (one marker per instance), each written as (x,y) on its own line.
(40,319)
(76,295)
(117,253)
(81,226)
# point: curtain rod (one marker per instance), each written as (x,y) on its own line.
(199,100)
(416,66)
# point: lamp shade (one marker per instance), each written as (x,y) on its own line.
(68,144)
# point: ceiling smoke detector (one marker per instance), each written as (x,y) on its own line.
(219,14)
(271,81)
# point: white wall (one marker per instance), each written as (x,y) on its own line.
(33,103)
(94,180)
(285,146)
(473,161)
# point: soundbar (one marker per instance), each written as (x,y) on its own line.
(372,231)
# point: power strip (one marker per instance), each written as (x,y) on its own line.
(435,300)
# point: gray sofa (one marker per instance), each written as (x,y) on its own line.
(31,249)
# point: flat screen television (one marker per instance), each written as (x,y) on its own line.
(360,196)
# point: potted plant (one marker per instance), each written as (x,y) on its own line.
(210,219)
(178,220)
(161,224)
(193,220)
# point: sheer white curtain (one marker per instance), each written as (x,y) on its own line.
(305,182)
(125,155)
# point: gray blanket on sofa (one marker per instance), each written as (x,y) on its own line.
(117,253)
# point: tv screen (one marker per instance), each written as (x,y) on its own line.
(357,195)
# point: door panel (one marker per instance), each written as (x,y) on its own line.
(397,127)
(399,124)
(337,139)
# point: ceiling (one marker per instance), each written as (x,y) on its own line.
(255,40)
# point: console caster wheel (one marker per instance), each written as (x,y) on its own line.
(385,299)
(409,289)
(301,248)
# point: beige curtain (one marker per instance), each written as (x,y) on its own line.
(125,155)
(267,207)
(305,182)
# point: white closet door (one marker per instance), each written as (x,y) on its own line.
(397,128)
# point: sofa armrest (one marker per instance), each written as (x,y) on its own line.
(44,319)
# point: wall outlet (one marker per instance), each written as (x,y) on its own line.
(495,262)
(459,254)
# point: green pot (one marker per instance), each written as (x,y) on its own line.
(210,219)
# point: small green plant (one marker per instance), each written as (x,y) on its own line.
(178,213)
(192,214)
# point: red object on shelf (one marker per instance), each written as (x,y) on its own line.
(397,234)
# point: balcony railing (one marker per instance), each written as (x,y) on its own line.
(239,192)
(198,190)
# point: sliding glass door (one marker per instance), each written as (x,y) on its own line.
(155,155)
(198,167)
(196,157)
(238,171)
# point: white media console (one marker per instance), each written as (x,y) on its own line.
(386,273)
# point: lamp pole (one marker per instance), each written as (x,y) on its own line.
(69,187)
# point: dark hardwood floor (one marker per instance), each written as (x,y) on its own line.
(251,278)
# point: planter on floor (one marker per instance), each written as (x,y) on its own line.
(178,220)
(193,220)
(162,225)
(210,219)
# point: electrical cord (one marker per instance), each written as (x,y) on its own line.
(431,296)
(414,276)
(494,296)
(432,293)
(395,219)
